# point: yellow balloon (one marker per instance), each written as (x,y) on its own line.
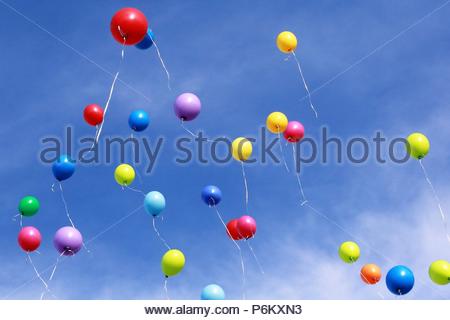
(241,149)
(349,252)
(172,262)
(439,272)
(276,122)
(124,174)
(418,145)
(286,42)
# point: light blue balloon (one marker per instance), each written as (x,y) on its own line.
(154,203)
(213,292)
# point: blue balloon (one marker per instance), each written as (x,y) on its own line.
(213,292)
(400,280)
(211,195)
(154,203)
(147,42)
(138,120)
(63,168)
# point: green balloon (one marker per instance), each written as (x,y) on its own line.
(439,272)
(28,206)
(349,252)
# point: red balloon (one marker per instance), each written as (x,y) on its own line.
(232,230)
(93,114)
(129,26)
(294,131)
(246,226)
(29,239)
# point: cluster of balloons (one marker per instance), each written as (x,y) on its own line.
(277,122)
(67,240)
(237,229)
(399,279)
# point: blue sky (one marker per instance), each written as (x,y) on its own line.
(225,52)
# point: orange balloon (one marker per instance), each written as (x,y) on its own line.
(370,273)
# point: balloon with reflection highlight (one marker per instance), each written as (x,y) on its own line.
(370,273)
(63,168)
(439,272)
(286,42)
(172,262)
(241,149)
(29,206)
(349,252)
(294,131)
(276,122)
(213,292)
(400,280)
(187,106)
(154,203)
(417,145)
(93,114)
(29,239)
(246,227)
(124,174)
(68,241)
(129,26)
(138,120)
(211,195)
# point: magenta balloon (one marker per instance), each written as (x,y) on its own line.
(187,106)
(68,241)
(294,131)
(246,227)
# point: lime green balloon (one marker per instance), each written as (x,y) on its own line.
(28,206)
(349,252)
(439,272)
(172,262)
(418,145)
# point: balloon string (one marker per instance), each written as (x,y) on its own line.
(162,61)
(192,133)
(245,185)
(55,266)
(159,235)
(299,182)
(438,202)
(65,205)
(239,249)
(111,90)
(281,151)
(37,273)
(134,190)
(165,289)
(254,256)
(306,86)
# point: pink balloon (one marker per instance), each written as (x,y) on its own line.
(246,227)
(294,131)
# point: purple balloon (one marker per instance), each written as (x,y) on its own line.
(187,106)
(68,241)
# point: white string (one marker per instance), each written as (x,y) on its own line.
(239,249)
(159,235)
(438,202)
(38,275)
(162,61)
(299,182)
(254,256)
(134,189)
(245,185)
(304,83)
(192,133)
(282,153)
(165,288)
(65,205)
(56,265)
(111,90)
